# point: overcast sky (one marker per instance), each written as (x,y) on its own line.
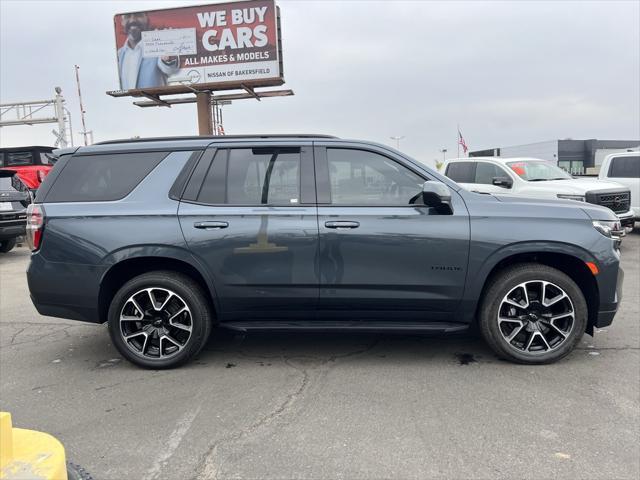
(508,72)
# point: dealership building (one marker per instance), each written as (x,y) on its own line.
(575,156)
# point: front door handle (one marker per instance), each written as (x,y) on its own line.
(210,225)
(340,225)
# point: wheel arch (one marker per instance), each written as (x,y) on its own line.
(568,259)
(130,266)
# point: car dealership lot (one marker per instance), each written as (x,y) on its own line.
(325,405)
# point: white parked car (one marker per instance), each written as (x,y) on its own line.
(624,168)
(533,177)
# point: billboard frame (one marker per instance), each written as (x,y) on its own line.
(186,87)
(204,92)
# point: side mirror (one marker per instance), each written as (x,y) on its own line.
(436,194)
(505,182)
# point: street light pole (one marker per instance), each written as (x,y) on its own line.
(397,138)
(444,154)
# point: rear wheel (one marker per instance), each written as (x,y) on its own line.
(533,314)
(160,319)
(7,245)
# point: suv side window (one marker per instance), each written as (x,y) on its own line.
(359,177)
(101,178)
(461,172)
(625,167)
(485,173)
(253,176)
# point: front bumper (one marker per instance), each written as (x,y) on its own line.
(627,219)
(10,230)
(608,310)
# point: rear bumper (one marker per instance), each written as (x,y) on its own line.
(64,290)
(70,312)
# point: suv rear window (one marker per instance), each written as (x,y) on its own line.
(625,167)
(462,172)
(102,178)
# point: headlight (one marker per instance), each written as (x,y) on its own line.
(608,228)
(579,198)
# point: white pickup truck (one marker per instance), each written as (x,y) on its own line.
(624,168)
(532,177)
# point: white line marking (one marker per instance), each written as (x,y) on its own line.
(173,442)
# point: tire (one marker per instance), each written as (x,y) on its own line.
(76,472)
(7,245)
(156,341)
(555,325)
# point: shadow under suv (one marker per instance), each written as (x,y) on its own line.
(165,239)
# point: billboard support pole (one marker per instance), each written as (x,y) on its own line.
(203,101)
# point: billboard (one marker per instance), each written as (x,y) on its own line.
(206,46)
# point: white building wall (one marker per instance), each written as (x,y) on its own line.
(545,150)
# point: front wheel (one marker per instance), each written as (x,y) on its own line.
(160,319)
(533,314)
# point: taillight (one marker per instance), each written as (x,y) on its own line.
(35,224)
(41,174)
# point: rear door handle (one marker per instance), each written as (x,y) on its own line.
(210,225)
(340,225)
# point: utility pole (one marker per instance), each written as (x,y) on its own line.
(397,138)
(59,109)
(84,131)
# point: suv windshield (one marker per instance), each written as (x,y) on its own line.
(538,171)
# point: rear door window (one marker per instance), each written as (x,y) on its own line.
(462,172)
(100,178)
(625,167)
(249,176)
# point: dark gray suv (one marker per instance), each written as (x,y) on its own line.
(165,239)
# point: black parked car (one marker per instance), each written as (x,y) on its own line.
(14,199)
(166,238)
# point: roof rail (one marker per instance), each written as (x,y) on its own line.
(213,137)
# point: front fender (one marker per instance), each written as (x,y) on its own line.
(481,266)
(482,271)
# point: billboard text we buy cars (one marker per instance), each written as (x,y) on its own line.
(207,44)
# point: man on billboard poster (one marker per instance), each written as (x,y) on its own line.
(137,71)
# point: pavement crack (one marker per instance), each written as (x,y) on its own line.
(13,337)
(367,348)
(209,467)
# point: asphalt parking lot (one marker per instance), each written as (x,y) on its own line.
(325,406)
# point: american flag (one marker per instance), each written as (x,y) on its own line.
(462,143)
